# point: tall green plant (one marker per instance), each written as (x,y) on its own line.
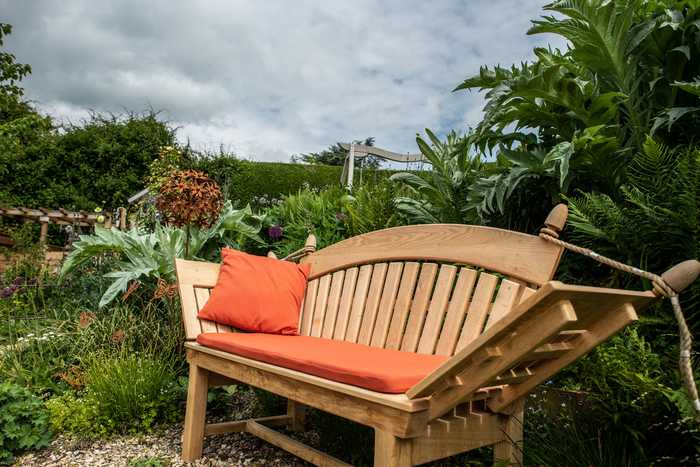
(440,194)
(578,117)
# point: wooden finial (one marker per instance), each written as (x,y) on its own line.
(682,274)
(271,254)
(310,243)
(556,220)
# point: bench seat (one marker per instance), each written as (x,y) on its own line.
(377,369)
(432,335)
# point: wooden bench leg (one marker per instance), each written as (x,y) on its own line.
(511,448)
(391,451)
(195,414)
(297,412)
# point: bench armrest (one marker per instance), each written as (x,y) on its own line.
(555,307)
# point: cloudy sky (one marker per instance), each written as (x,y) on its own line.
(267,79)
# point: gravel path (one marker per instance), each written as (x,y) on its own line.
(163,446)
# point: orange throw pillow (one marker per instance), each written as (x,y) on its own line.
(255,293)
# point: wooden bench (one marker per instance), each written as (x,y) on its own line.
(482,296)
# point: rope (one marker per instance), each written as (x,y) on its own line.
(661,288)
(300,253)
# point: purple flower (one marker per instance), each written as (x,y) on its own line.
(274,232)
(18,281)
(6,292)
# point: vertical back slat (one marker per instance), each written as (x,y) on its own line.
(507,297)
(191,275)
(202,295)
(419,307)
(456,312)
(309,306)
(374,295)
(333,302)
(341,322)
(403,303)
(189,311)
(436,310)
(478,309)
(527,293)
(358,303)
(324,285)
(386,305)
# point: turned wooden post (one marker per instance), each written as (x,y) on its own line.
(310,244)
(122,218)
(680,276)
(44,229)
(556,220)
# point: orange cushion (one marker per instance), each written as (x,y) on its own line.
(381,370)
(255,293)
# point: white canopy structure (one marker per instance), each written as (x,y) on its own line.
(361,151)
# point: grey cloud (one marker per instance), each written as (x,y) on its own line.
(269,79)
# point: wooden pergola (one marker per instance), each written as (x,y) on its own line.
(59,216)
(361,151)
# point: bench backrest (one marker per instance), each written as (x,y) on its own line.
(423,288)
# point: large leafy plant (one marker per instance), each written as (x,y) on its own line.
(576,118)
(150,255)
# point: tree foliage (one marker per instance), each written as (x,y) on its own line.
(100,162)
(576,118)
(11,73)
(336,155)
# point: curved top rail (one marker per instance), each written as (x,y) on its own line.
(518,255)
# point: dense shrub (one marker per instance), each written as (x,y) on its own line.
(562,429)
(23,421)
(332,215)
(258,183)
(371,207)
(127,393)
(50,330)
(133,391)
(308,212)
(100,162)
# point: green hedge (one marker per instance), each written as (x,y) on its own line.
(245,181)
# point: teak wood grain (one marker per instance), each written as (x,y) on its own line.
(482,297)
(522,256)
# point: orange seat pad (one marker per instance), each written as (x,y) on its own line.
(382,370)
